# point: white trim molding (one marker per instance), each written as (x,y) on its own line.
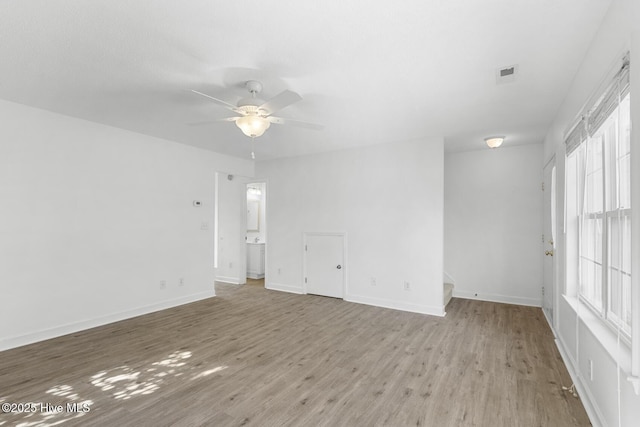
(272,286)
(397,305)
(506,299)
(231,280)
(58,331)
(594,413)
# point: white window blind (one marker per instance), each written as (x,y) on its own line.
(600,109)
(598,150)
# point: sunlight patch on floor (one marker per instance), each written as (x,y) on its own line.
(125,382)
(209,372)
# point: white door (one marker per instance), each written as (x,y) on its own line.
(548,224)
(324,264)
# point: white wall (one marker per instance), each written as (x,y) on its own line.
(619,32)
(92,218)
(387,198)
(493,223)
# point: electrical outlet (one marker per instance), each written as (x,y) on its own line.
(407,286)
(230,265)
(373,281)
(279,271)
(181,281)
(163,284)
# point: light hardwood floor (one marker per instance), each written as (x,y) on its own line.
(262,358)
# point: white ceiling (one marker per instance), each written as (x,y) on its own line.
(369,71)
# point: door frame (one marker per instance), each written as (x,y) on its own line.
(265,224)
(344,264)
(550,192)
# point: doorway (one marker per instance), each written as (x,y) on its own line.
(256,230)
(324,264)
(549,239)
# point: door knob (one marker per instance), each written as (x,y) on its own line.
(548,253)
(339,267)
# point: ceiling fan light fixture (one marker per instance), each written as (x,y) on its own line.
(254,116)
(253,126)
(494,141)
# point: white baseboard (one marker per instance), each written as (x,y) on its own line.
(283,288)
(19,341)
(397,305)
(549,322)
(532,302)
(594,413)
(232,280)
(377,302)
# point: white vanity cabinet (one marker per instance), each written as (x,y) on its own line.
(255,260)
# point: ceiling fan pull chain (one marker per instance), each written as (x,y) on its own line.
(253,154)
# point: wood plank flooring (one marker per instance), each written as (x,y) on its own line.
(262,358)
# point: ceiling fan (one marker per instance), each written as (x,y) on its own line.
(254,114)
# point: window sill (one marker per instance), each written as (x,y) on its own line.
(618,349)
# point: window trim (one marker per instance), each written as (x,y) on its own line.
(579,138)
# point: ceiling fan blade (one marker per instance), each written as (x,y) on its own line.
(218,101)
(280,101)
(209,122)
(298,123)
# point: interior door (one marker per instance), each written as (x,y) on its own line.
(548,223)
(324,264)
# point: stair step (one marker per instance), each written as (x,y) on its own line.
(448,293)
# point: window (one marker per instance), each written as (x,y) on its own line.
(599,208)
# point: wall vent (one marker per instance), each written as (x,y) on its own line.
(507,71)
(506,74)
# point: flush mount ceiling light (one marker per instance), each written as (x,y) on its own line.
(254,191)
(494,141)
